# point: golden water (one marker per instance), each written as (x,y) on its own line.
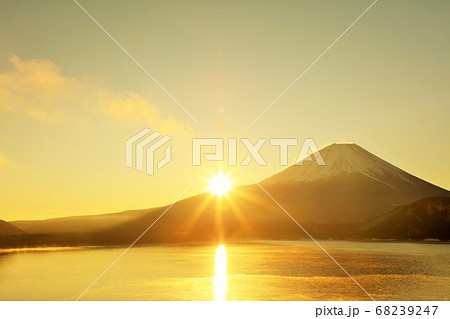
(267,270)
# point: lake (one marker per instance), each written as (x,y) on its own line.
(263,270)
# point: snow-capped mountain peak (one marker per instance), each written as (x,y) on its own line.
(341,159)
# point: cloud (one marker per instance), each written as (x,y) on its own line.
(39,90)
(34,88)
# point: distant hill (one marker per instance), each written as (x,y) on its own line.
(426,218)
(331,201)
(79,224)
(8,229)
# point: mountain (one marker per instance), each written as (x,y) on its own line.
(79,224)
(334,200)
(8,229)
(426,218)
(354,185)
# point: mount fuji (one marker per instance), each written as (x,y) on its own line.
(353,185)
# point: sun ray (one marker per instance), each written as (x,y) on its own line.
(236,211)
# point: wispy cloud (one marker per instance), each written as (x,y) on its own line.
(38,89)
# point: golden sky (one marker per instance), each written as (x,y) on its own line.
(70,98)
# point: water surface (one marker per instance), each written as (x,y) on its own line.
(268,270)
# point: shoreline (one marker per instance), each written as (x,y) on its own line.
(39,249)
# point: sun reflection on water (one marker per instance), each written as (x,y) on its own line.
(220,277)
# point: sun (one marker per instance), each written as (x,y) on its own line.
(219,184)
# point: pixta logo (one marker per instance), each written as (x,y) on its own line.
(253,150)
(145,145)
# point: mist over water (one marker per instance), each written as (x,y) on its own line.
(266,270)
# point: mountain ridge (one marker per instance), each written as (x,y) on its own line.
(335,205)
(9,229)
(426,218)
